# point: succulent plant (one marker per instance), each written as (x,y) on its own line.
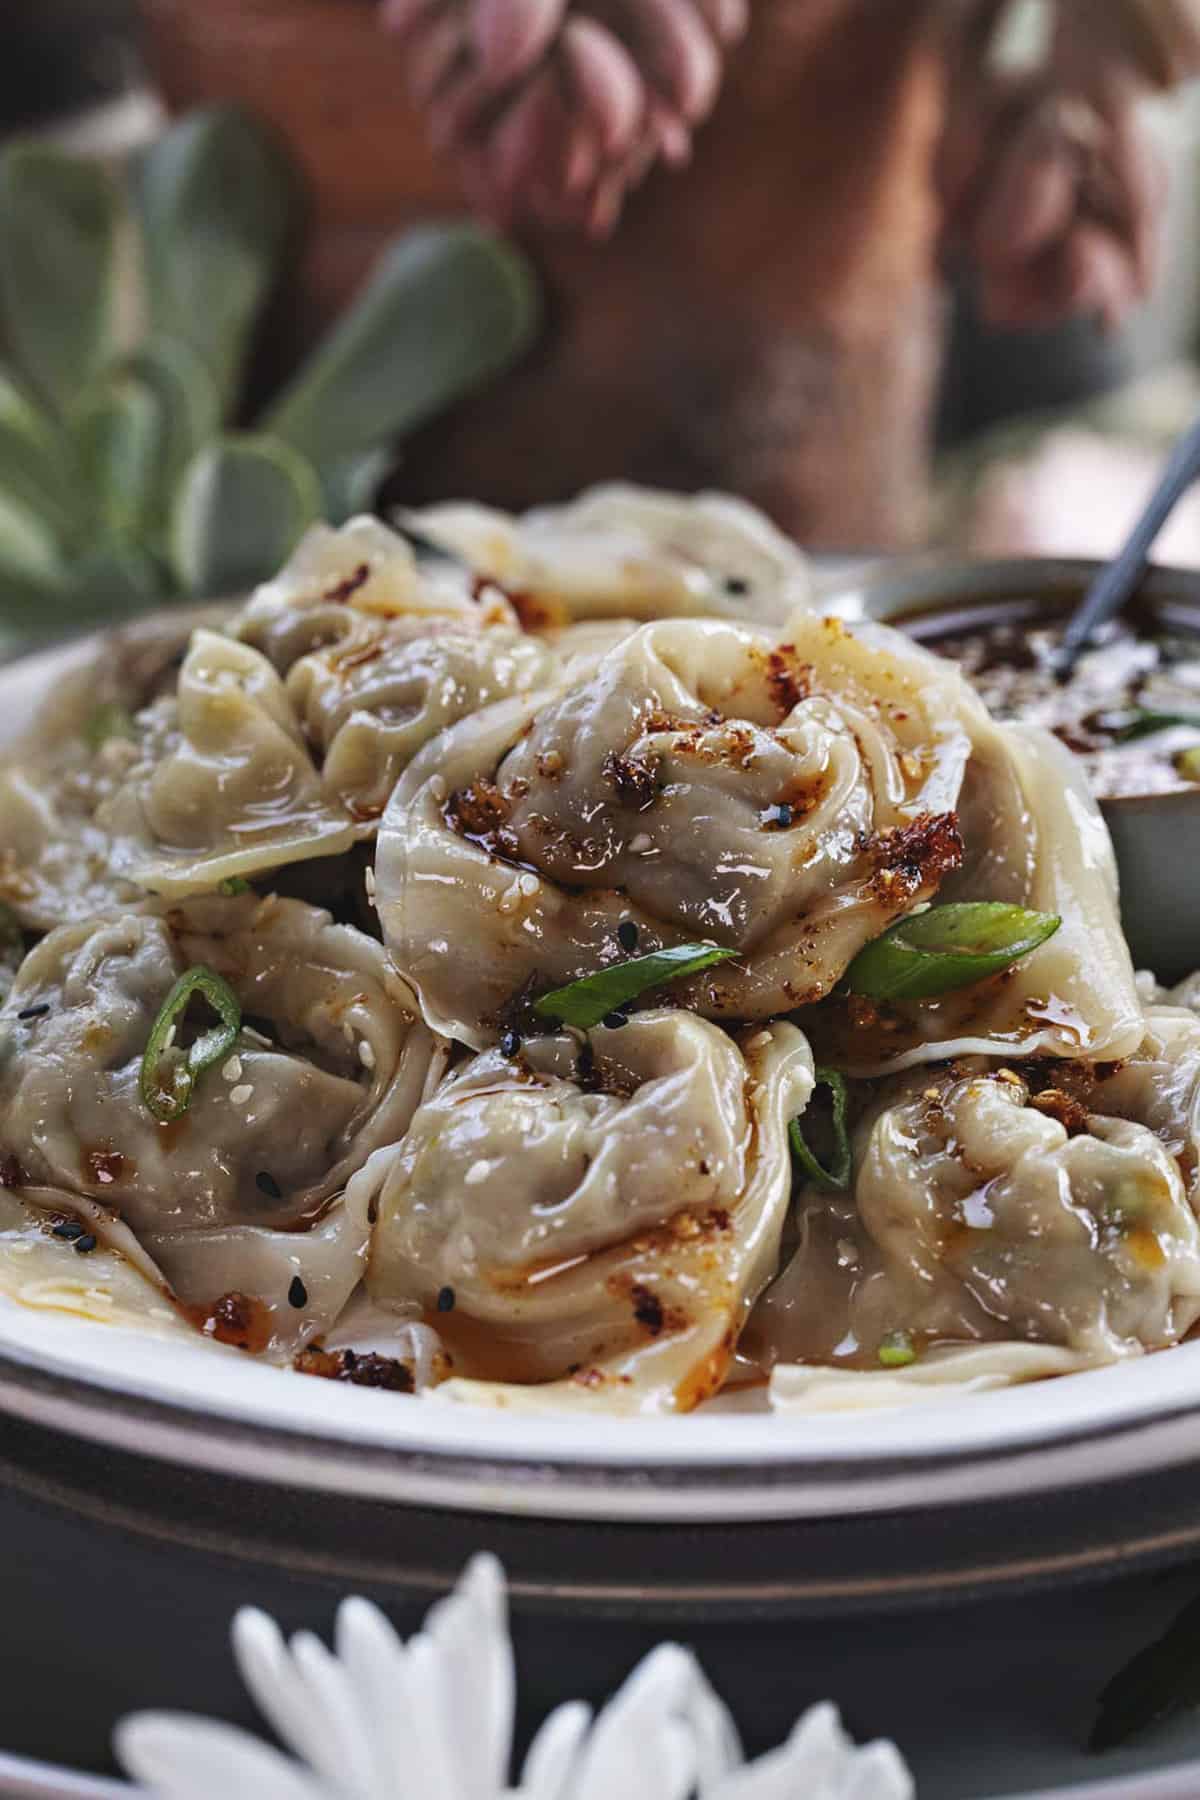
(127,313)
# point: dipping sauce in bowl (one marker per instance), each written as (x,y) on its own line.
(1130,710)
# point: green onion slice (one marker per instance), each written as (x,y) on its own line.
(233,884)
(1144,724)
(169,1074)
(946,948)
(896,1350)
(108,721)
(836,1178)
(586,1002)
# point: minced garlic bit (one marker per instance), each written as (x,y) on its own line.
(639,845)
(847,1253)
(478,1171)
(240,1095)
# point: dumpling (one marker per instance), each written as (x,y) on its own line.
(620,551)
(368,708)
(988,1205)
(1034,838)
(41,1270)
(598,1217)
(331,1062)
(224,785)
(76,752)
(348,584)
(702,781)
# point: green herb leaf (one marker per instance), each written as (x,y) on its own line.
(59,255)
(241,506)
(946,948)
(1160,1680)
(233,885)
(1144,724)
(217,195)
(589,1000)
(169,1074)
(836,1178)
(108,721)
(114,580)
(446,309)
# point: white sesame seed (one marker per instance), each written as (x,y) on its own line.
(369,884)
(100,1294)
(759,1041)
(240,1095)
(509,900)
(478,1171)
(528,884)
(232,1069)
(847,1253)
(366,1054)
(641,843)
(170,1038)
(257,1037)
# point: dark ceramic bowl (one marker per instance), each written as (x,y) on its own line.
(1156,836)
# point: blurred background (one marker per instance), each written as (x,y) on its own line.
(905,272)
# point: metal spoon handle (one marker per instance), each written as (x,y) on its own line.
(1113,586)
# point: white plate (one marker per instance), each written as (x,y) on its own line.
(187,1398)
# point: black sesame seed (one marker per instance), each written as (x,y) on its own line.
(69,1230)
(349,1359)
(613,1021)
(297,1293)
(35,1012)
(445,1299)
(736,584)
(779,816)
(84,1244)
(627,934)
(266,1184)
(510,1043)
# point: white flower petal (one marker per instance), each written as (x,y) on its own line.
(718,1746)
(879,1773)
(374,1656)
(552,1754)
(473,1650)
(343,1754)
(266,1667)
(178,1757)
(637,1746)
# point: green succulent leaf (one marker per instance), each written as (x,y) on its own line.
(448,307)
(349,485)
(113,581)
(217,197)
(947,948)
(60,220)
(189,404)
(118,432)
(36,462)
(241,506)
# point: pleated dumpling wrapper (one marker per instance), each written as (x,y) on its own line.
(602,1216)
(628,552)
(238,1191)
(785,800)
(1048,1209)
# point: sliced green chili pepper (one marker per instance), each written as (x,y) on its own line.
(108,721)
(836,1178)
(586,1002)
(946,948)
(170,1098)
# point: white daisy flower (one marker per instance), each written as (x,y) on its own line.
(379,1719)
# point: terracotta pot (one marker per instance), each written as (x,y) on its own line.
(763,322)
